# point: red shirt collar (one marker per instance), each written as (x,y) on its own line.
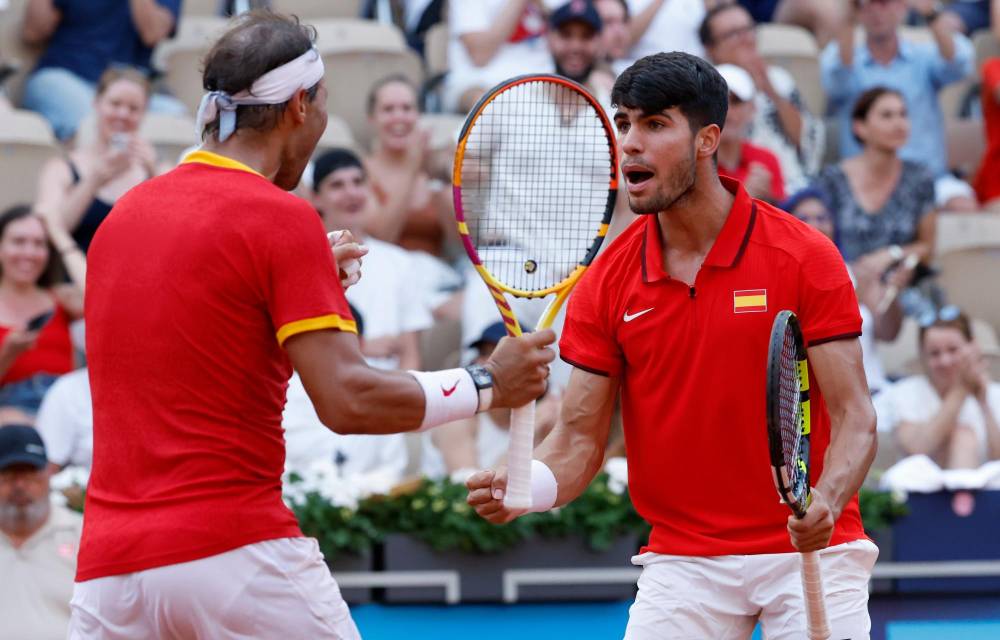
(728,246)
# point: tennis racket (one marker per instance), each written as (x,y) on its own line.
(534,181)
(788,440)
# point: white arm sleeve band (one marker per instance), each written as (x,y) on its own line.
(544,487)
(449,395)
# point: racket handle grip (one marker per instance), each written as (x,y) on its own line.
(522,445)
(812,590)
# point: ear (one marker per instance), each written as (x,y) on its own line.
(706,141)
(298,107)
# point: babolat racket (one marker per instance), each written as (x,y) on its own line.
(788,440)
(535,180)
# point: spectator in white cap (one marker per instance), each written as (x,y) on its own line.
(756,167)
(38,542)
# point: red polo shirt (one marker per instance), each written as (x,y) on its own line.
(193,283)
(692,361)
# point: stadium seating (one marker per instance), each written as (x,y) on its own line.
(180,59)
(26,143)
(966,144)
(201,7)
(794,49)
(969,277)
(337,134)
(312,9)
(436,49)
(358,53)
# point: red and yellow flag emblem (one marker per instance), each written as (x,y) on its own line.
(749,300)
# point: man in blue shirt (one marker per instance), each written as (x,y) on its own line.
(82,38)
(918,70)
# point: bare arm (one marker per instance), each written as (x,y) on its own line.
(409,351)
(995,18)
(574,450)
(845,35)
(57,193)
(352,398)
(483,45)
(457,443)
(639,24)
(41,18)
(153,21)
(944,36)
(928,436)
(992,429)
(839,373)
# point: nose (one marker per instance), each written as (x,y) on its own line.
(630,142)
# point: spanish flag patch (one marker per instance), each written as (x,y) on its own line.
(749,300)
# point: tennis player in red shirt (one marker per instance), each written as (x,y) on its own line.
(205,287)
(676,315)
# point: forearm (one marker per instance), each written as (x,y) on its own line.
(388,224)
(849,456)
(74,201)
(482,46)
(457,443)
(992,429)
(790,118)
(365,400)
(153,21)
(639,23)
(72,256)
(944,36)
(40,20)
(574,450)
(927,437)
(574,459)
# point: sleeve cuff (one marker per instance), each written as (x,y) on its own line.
(816,338)
(330,321)
(607,367)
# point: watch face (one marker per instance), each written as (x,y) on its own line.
(480,376)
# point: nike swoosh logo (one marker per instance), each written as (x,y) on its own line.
(448,392)
(629,318)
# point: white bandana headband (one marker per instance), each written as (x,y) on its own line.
(277,86)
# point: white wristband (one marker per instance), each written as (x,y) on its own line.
(544,488)
(449,395)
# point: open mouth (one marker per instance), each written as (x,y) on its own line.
(637,176)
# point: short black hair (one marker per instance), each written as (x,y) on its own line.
(334,160)
(705,30)
(676,79)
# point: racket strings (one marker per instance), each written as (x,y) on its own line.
(535,179)
(790,410)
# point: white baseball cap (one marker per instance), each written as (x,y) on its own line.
(740,83)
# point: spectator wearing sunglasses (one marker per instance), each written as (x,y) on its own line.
(950,411)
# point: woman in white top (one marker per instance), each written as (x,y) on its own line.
(950,413)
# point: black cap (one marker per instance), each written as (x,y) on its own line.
(576,11)
(334,160)
(21,444)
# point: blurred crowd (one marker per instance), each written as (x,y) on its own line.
(872,171)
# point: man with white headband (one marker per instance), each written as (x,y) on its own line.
(206,286)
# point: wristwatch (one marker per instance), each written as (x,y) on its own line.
(934,13)
(483,380)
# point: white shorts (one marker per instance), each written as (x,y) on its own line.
(723,597)
(278,589)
